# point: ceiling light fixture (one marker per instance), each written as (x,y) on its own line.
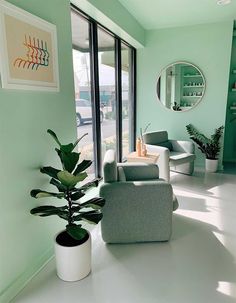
(223,2)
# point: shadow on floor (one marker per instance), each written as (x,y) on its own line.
(189,268)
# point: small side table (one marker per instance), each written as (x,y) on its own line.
(149,158)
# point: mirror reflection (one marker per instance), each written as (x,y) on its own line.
(180,86)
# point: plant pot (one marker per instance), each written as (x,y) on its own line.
(211,165)
(73,257)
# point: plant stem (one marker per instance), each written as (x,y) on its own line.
(68,198)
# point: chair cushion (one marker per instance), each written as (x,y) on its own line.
(177,158)
(135,171)
(121,174)
(166,144)
(155,138)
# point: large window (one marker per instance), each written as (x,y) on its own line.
(82,83)
(127,101)
(107,88)
(104,90)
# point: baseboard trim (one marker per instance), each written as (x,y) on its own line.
(20,282)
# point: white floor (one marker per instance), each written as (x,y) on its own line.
(197,265)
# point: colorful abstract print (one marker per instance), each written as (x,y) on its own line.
(37,54)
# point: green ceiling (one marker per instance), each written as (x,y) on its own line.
(153,14)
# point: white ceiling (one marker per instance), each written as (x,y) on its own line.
(154,14)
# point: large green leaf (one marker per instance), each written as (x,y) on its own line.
(70,180)
(77,195)
(82,166)
(79,139)
(91,217)
(64,216)
(76,209)
(48,210)
(60,187)
(67,148)
(54,136)
(50,171)
(88,185)
(38,193)
(70,160)
(76,232)
(95,203)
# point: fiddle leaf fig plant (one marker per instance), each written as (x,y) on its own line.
(208,146)
(66,181)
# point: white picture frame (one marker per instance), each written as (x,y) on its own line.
(28,50)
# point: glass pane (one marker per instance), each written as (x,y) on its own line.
(106,56)
(82,82)
(126,99)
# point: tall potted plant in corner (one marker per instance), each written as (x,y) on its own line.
(72,245)
(209,146)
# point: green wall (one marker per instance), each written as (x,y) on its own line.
(230,129)
(26,241)
(115,17)
(208,47)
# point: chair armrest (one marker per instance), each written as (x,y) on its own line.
(163,161)
(139,171)
(183,146)
(156,149)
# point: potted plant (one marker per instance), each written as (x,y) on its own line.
(176,107)
(72,245)
(209,146)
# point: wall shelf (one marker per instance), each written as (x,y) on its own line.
(186,86)
(234,71)
(232,107)
(191,76)
(192,96)
(233,89)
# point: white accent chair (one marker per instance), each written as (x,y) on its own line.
(175,155)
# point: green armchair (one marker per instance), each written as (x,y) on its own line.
(138,206)
(175,155)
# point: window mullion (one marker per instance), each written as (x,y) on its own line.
(133,99)
(95,97)
(118,76)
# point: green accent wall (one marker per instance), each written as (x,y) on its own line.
(26,241)
(209,48)
(230,129)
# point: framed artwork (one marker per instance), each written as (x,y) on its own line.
(28,50)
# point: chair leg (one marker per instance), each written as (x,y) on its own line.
(186,168)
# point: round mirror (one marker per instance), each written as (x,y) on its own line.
(180,86)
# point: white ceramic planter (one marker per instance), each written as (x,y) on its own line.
(211,165)
(73,263)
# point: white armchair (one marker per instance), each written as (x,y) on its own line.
(175,155)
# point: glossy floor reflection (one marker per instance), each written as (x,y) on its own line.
(197,265)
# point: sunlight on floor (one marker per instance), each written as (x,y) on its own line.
(227,288)
(211,211)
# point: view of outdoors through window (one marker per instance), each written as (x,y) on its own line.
(82,82)
(126,99)
(106,57)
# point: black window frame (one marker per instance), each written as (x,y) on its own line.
(95,92)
